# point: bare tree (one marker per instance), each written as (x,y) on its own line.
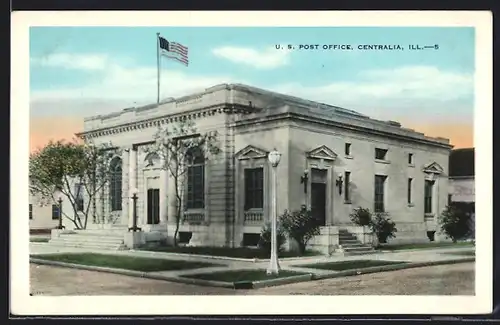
(74,170)
(177,145)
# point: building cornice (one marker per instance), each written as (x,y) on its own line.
(332,123)
(212,110)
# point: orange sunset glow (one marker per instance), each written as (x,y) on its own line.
(42,130)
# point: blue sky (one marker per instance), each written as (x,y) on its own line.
(84,71)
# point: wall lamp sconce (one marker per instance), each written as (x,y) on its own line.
(303,180)
(339,183)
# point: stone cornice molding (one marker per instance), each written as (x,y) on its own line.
(160,120)
(331,123)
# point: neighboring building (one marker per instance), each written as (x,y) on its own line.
(462,183)
(42,217)
(383,167)
(462,175)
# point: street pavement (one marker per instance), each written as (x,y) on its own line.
(455,279)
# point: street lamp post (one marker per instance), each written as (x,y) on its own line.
(274,158)
(59,200)
(134,227)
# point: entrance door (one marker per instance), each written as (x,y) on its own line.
(318,202)
(153,206)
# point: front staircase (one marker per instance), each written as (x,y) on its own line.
(350,245)
(92,239)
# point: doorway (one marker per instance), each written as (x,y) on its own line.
(153,206)
(318,195)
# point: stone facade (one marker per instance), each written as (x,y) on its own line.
(310,136)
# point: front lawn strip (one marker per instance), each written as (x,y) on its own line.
(132,263)
(39,240)
(348,265)
(464,253)
(251,279)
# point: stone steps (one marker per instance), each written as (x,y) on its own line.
(350,245)
(91,239)
(89,246)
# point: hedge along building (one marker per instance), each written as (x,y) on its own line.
(350,161)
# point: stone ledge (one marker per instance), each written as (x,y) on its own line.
(282,281)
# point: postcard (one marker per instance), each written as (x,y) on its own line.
(202,163)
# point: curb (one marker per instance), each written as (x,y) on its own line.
(393,267)
(282,281)
(382,251)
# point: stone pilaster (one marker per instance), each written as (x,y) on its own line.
(163,194)
(125,187)
(132,182)
(171,204)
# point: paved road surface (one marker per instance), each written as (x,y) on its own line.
(455,279)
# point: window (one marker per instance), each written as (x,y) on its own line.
(55,212)
(347,149)
(347,180)
(195,179)
(428,196)
(115,186)
(410,159)
(31,211)
(380,154)
(254,188)
(410,181)
(379,193)
(79,202)
(450,196)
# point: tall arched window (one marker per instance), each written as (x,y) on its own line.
(115,186)
(195,194)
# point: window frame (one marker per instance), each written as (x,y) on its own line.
(378,150)
(115,186)
(55,211)
(195,160)
(256,189)
(379,185)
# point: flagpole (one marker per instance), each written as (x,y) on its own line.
(158,67)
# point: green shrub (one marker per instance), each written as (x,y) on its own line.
(265,238)
(383,227)
(361,216)
(301,226)
(454,223)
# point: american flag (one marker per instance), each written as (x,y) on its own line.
(174,51)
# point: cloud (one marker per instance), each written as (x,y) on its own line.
(414,95)
(417,91)
(115,85)
(73,61)
(268,58)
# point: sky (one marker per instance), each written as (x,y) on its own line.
(77,72)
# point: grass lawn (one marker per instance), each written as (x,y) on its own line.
(39,240)
(429,245)
(468,253)
(143,264)
(348,265)
(242,275)
(238,252)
